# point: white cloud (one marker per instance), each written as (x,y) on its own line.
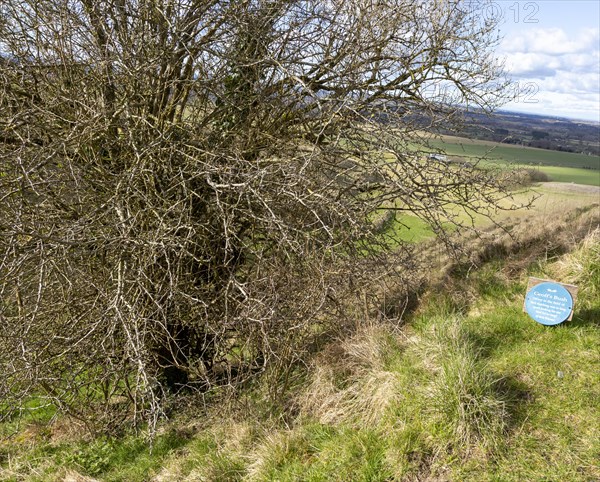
(525,64)
(562,70)
(563,105)
(572,83)
(522,64)
(551,41)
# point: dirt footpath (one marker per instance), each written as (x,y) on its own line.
(571,187)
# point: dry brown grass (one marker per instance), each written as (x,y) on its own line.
(73,476)
(351,382)
(519,243)
(582,267)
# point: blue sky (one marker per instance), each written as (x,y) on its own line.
(552,52)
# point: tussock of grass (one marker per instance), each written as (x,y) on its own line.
(317,452)
(279,452)
(582,267)
(353,382)
(466,397)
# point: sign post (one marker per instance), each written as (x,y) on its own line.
(548,302)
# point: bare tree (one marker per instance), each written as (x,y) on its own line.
(189,186)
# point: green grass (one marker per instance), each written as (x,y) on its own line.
(320,452)
(130,458)
(550,201)
(408,228)
(457,146)
(570,174)
(560,166)
(469,389)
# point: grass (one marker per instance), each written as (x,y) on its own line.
(458,146)
(559,166)
(320,452)
(410,229)
(469,388)
(49,457)
(550,202)
(573,175)
(466,397)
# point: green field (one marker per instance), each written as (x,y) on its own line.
(571,174)
(515,154)
(560,166)
(551,200)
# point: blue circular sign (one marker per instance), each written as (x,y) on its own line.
(549,303)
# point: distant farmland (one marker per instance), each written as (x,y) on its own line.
(560,166)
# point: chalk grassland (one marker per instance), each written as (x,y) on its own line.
(468,388)
(551,200)
(552,197)
(560,166)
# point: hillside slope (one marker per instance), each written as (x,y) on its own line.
(466,387)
